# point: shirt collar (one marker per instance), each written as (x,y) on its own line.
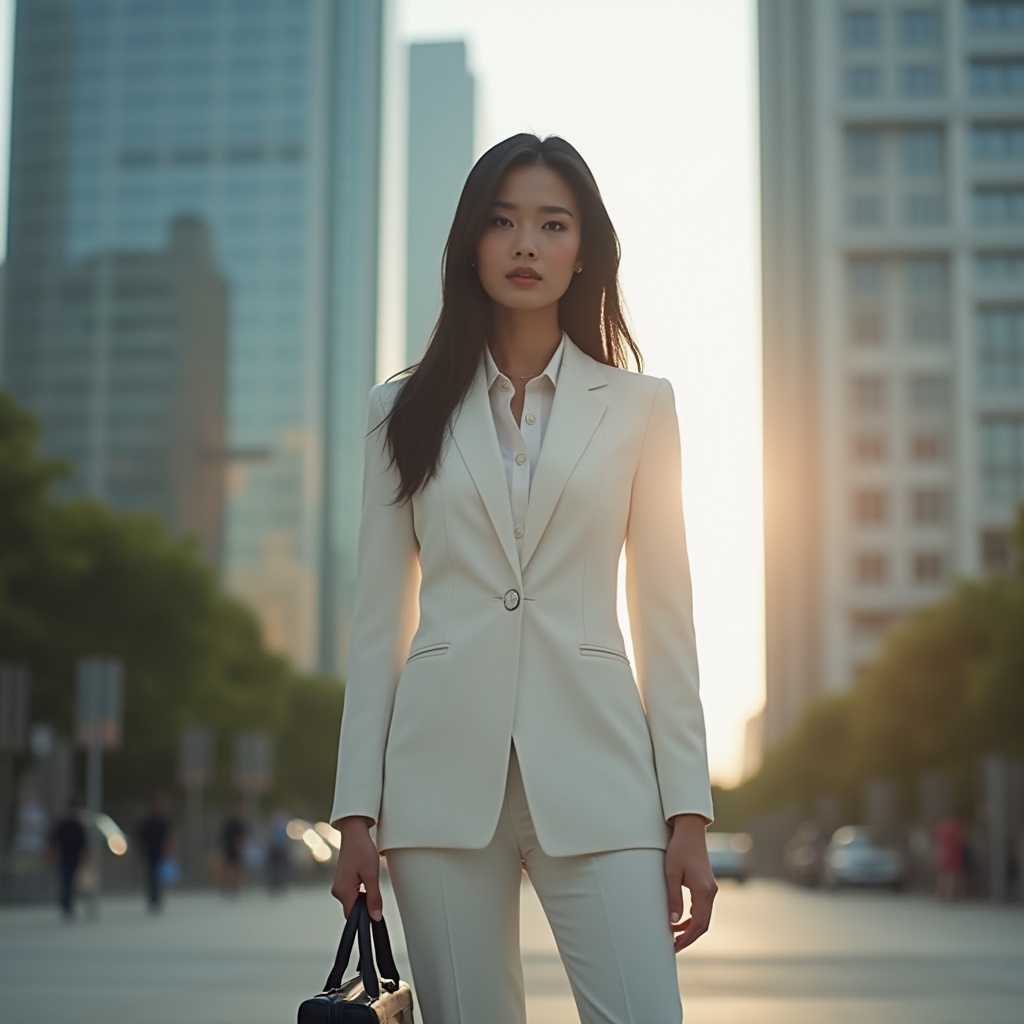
(550,371)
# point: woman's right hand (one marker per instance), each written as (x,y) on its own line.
(358,863)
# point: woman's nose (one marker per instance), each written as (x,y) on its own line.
(527,250)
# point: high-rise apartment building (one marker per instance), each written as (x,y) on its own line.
(243,137)
(441,112)
(892,151)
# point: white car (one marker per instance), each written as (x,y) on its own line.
(731,854)
(855,856)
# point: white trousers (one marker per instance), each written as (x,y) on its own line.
(608,912)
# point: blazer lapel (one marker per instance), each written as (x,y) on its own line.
(475,437)
(575,413)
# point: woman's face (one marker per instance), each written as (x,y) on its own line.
(529,251)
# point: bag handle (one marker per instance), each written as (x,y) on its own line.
(360,924)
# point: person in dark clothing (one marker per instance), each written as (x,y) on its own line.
(233,839)
(69,846)
(154,836)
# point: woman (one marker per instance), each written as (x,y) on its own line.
(491,720)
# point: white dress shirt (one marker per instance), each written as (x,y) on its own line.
(520,445)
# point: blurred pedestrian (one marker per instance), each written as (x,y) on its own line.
(155,836)
(950,843)
(234,836)
(69,847)
(277,852)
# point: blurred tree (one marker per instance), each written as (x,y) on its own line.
(78,579)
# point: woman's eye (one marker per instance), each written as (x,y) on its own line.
(557,225)
(500,222)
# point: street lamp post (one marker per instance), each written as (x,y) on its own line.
(14,701)
(196,765)
(253,770)
(98,728)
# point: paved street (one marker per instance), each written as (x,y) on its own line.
(775,956)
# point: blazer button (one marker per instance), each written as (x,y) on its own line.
(511,600)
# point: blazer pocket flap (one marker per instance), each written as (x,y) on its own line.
(427,652)
(595,651)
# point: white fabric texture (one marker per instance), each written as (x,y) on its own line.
(520,443)
(608,912)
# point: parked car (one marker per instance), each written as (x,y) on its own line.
(731,855)
(856,856)
(805,853)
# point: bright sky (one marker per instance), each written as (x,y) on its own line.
(660,97)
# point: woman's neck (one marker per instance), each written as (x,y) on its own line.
(522,342)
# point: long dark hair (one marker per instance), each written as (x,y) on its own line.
(590,311)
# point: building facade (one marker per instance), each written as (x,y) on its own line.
(440,151)
(892,148)
(246,133)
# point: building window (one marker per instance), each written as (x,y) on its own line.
(929,392)
(997,77)
(866,276)
(927,447)
(999,206)
(868,393)
(1002,460)
(1001,348)
(929,327)
(929,507)
(927,276)
(871,567)
(929,567)
(866,326)
(861,30)
(863,153)
(863,82)
(869,448)
(922,152)
(993,15)
(996,550)
(870,507)
(921,80)
(866,210)
(919,27)
(1000,267)
(997,142)
(921,210)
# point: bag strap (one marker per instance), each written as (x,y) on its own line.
(375,953)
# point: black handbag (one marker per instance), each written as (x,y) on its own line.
(368,998)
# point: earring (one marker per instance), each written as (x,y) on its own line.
(472,264)
(578,270)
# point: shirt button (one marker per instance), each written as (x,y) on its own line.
(505,384)
(519,531)
(520,458)
(530,418)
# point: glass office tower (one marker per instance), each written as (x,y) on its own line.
(247,133)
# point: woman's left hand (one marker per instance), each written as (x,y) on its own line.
(687,865)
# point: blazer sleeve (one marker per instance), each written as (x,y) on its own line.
(660,602)
(383,622)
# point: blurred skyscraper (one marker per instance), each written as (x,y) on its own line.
(892,150)
(440,153)
(192,276)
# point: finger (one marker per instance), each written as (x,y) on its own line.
(374,900)
(693,927)
(675,903)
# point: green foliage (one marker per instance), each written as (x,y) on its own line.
(946,688)
(78,579)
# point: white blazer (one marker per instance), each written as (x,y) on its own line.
(461,644)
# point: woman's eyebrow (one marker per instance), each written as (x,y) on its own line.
(502,204)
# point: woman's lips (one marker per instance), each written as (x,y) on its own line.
(523,277)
